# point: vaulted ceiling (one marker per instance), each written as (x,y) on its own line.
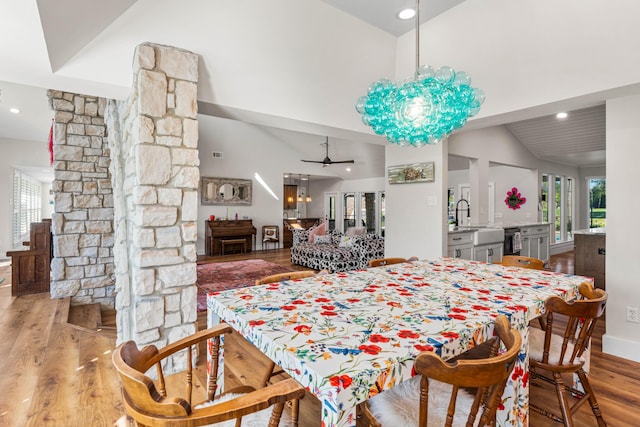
(47,44)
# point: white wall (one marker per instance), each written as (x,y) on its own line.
(504,179)
(416,213)
(526,181)
(17,153)
(623,133)
(279,57)
(248,149)
(492,148)
(529,54)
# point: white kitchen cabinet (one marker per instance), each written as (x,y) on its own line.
(460,245)
(535,241)
(489,253)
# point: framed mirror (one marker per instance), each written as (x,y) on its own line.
(225,191)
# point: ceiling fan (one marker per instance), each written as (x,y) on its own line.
(327,161)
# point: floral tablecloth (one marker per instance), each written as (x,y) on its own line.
(347,336)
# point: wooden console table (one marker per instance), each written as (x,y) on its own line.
(240,233)
(31,268)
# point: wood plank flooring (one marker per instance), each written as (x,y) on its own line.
(59,374)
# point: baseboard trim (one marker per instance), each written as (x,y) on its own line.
(621,347)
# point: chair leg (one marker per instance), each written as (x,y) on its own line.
(584,379)
(295,411)
(563,400)
(274,421)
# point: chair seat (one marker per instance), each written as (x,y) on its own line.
(399,406)
(256,419)
(536,347)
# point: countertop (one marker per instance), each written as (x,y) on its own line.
(592,231)
(473,228)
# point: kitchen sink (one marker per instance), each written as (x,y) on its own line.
(484,236)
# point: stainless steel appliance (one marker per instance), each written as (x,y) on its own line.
(509,237)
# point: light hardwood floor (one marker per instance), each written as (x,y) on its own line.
(59,374)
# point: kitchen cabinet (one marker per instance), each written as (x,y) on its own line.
(590,254)
(535,241)
(489,253)
(287,234)
(460,245)
(290,197)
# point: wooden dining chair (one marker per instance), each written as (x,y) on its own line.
(150,403)
(522,261)
(388,261)
(439,396)
(290,275)
(553,354)
(270,234)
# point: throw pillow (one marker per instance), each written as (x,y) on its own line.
(346,242)
(322,240)
(320,230)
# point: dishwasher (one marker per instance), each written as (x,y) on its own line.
(511,235)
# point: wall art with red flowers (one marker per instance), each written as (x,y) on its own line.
(514,199)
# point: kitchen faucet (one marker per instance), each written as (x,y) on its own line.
(460,210)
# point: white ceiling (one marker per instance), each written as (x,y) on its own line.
(576,141)
(382,13)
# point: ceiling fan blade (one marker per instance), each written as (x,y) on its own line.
(327,161)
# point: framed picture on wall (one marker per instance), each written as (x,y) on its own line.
(409,174)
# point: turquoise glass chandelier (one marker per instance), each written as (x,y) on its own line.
(423,109)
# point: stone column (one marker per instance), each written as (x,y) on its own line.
(82,224)
(154,137)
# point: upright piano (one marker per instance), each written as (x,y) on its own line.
(219,231)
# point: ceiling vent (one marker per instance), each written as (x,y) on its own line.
(217,154)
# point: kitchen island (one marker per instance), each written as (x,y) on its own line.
(590,254)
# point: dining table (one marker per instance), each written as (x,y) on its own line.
(348,336)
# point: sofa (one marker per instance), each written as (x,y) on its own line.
(335,251)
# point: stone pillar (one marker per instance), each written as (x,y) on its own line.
(82,224)
(154,138)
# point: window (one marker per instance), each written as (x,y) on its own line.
(27,201)
(597,202)
(544,198)
(557,197)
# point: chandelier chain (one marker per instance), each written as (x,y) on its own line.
(417,36)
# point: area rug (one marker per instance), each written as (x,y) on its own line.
(220,276)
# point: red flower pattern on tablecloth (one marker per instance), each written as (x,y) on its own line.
(343,321)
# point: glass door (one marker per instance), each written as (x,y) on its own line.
(348,210)
(368,211)
(330,210)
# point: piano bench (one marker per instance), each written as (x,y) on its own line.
(230,242)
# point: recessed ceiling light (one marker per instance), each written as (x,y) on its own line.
(405,14)
(562,115)
(14,110)
(348,169)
